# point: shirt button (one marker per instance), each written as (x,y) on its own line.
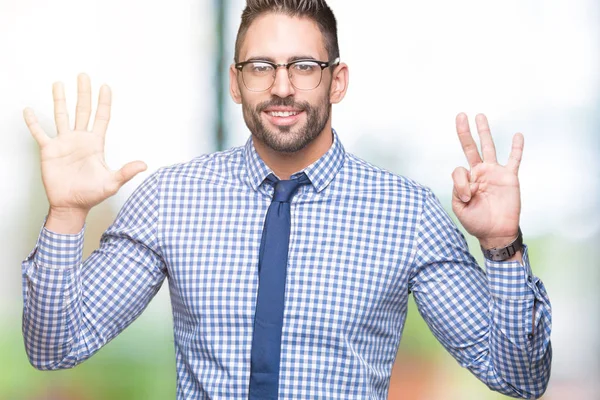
(529,279)
(530,336)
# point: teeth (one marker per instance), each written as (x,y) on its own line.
(283,113)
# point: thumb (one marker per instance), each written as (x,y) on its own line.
(128,171)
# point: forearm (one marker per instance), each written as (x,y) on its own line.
(487,329)
(520,350)
(52,300)
(72,309)
(516,365)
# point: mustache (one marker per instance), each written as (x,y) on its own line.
(280,102)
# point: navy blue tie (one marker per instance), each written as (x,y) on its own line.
(272,265)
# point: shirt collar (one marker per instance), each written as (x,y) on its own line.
(320,173)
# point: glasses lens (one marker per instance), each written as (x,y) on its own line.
(258,76)
(305,75)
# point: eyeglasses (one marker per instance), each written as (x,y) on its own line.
(259,75)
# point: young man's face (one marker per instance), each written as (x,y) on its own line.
(283,117)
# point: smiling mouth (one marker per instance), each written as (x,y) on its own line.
(283,113)
(283,117)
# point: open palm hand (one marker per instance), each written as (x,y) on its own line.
(74,172)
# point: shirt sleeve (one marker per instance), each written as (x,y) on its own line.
(496,324)
(71,309)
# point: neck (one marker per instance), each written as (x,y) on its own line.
(286,164)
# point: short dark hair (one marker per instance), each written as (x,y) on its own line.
(317,10)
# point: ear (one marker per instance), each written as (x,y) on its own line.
(234,86)
(339,83)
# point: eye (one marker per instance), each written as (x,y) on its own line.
(259,68)
(305,67)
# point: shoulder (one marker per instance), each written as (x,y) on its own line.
(217,167)
(363,174)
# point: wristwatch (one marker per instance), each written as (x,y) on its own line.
(504,253)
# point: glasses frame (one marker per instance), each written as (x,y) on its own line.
(323,64)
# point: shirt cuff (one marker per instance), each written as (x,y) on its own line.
(511,279)
(57,250)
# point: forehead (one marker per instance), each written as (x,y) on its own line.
(281,37)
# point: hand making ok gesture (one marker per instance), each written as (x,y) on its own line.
(486,198)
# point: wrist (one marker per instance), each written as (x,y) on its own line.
(66,220)
(498,242)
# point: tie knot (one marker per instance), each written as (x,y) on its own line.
(284,190)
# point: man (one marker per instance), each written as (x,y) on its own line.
(289,260)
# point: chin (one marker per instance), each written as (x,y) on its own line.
(284,142)
(287,146)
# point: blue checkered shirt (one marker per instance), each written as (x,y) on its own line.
(362,240)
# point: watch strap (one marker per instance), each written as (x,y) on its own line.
(504,253)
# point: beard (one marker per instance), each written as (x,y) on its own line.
(287,139)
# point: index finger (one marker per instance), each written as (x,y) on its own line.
(466,140)
(488,150)
(103,110)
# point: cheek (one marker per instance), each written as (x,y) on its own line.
(252,100)
(321,101)
(248,106)
(325,93)
(316,98)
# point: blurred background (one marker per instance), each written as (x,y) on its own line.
(530,65)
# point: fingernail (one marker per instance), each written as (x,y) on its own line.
(464,198)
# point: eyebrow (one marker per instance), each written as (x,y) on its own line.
(289,60)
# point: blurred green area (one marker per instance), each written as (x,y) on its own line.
(139,365)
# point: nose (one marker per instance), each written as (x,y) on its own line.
(282,87)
